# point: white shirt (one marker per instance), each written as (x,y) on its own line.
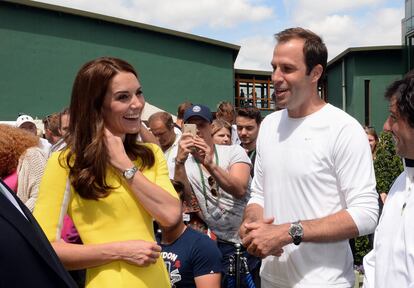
(170,155)
(391,262)
(44,145)
(309,168)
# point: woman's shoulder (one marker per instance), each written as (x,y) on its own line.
(153,147)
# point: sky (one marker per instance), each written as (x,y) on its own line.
(252,24)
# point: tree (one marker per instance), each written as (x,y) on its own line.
(387,164)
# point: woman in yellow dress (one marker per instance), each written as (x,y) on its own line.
(109,184)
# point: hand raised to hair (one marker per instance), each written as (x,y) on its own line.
(116,151)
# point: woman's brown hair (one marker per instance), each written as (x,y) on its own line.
(87,156)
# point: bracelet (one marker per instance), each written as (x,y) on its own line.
(178,162)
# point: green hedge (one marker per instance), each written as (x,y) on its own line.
(387,164)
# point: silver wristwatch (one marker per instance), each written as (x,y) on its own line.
(296,232)
(129,173)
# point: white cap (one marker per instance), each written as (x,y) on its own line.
(23,119)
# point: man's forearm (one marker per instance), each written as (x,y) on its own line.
(227,182)
(335,227)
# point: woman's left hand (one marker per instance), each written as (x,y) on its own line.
(116,151)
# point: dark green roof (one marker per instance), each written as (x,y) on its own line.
(253,72)
(120,21)
(363,49)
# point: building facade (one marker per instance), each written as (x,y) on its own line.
(407,25)
(357,79)
(43,46)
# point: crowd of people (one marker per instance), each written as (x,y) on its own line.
(122,203)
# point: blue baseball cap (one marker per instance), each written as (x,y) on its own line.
(200,111)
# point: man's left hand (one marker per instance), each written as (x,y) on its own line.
(264,238)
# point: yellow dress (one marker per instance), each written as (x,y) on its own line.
(117,217)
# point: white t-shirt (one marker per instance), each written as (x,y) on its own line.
(170,155)
(223,214)
(308,168)
(44,145)
(391,262)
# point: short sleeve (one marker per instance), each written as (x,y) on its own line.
(206,257)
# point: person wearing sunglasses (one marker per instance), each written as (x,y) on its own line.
(217,176)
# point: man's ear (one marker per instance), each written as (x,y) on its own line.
(316,72)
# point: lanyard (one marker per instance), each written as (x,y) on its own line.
(202,177)
(252,155)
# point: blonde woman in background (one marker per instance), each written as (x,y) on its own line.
(221,132)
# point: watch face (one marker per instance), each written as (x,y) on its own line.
(129,173)
(296,231)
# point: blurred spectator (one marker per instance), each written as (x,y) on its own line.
(23,161)
(162,127)
(27,123)
(248,124)
(225,111)
(180,114)
(372,139)
(63,128)
(221,132)
(51,124)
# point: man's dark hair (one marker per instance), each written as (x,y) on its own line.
(65,111)
(181,109)
(250,112)
(314,49)
(403,91)
(52,123)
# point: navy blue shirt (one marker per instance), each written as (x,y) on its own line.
(193,254)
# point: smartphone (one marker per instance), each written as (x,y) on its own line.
(190,128)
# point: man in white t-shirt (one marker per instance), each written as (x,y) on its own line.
(391,262)
(314,183)
(161,125)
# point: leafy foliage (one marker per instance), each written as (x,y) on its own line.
(387,164)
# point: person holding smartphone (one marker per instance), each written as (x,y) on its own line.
(109,184)
(217,175)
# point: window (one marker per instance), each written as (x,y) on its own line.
(254,91)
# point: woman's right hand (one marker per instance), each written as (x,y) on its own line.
(138,252)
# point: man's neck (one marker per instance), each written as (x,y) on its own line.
(249,147)
(165,148)
(168,237)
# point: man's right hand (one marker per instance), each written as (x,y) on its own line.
(185,145)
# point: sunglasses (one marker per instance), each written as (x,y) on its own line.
(212,182)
